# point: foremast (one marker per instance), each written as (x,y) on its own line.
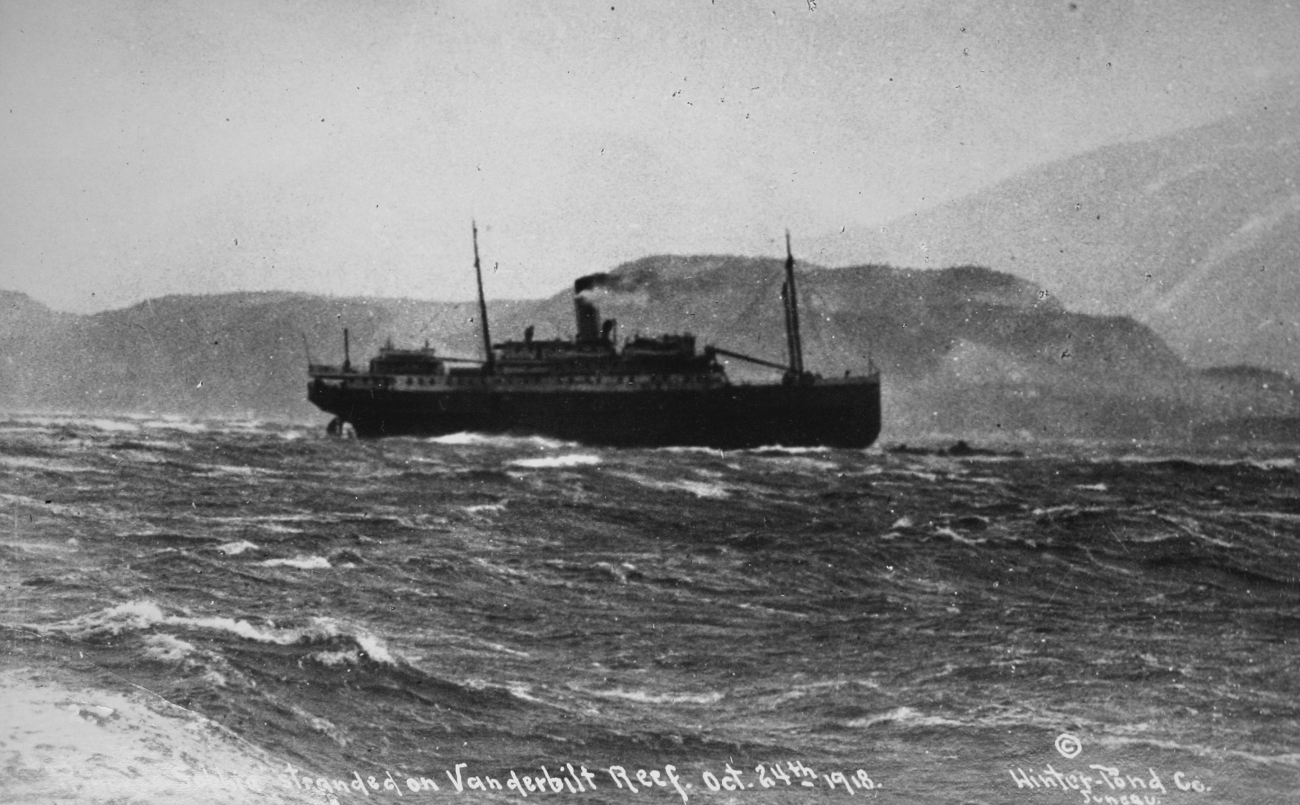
(790,301)
(489,360)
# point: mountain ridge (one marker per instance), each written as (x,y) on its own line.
(1196,234)
(963,350)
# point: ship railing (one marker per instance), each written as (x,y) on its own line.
(325,369)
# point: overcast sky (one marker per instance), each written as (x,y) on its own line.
(151,148)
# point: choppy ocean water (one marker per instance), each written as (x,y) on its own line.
(364,620)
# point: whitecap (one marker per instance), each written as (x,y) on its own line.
(240,470)
(1283,516)
(165,648)
(45,464)
(712,451)
(169,423)
(1274,463)
(794,451)
(646,697)
(241,628)
(465,437)
(144,614)
(109,425)
(943,531)
(300,562)
(133,616)
(485,507)
(925,476)
(335,658)
(501,440)
(905,717)
(374,648)
(234,548)
(548,462)
(1290,759)
(523,692)
(700,489)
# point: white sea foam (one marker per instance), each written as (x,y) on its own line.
(617,572)
(460,438)
(807,463)
(713,451)
(165,648)
(142,615)
(235,548)
(1285,517)
(136,455)
(271,522)
(943,531)
(230,469)
(1290,759)
(550,462)
(925,476)
(151,443)
(45,464)
(374,647)
(1069,508)
(523,692)
(335,658)
(700,489)
(485,507)
(470,438)
(300,562)
(131,616)
(505,650)
(110,425)
(46,422)
(276,528)
(121,748)
(799,691)
(243,629)
(171,423)
(215,678)
(1276,463)
(322,725)
(646,697)
(905,717)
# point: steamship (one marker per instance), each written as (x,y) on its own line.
(650,392)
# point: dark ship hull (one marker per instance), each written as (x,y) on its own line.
(835,413)
(651,392)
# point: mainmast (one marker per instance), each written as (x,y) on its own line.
(790,300)
(489,361)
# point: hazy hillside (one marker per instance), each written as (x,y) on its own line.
(1195,234)
(964,350)
(27,329)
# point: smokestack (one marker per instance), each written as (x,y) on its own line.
(588,318)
